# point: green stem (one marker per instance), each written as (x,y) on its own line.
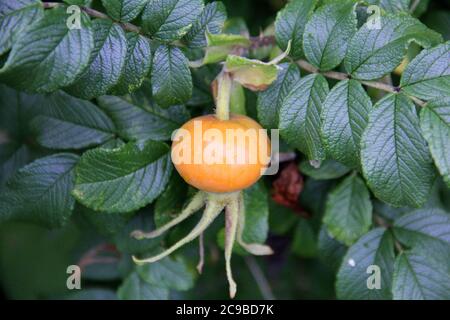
(223,96)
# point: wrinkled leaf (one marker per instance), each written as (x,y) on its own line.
(49,55)
(373,53)
(122,179)
(428,75)
(328,32)
(345,114)
(395,160)
(290,25)
(300,116)
(40,191)
(374,248)
(106,62)
(70,123)
(348,213)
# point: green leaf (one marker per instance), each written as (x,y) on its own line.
(106,62)
(141,123)
(290,25)
(171,201)
(395,160)
(124,10)
(385,211)
(314,195)
(419,278)
(256,213)
(270,101)
(345,114)
(328,170)
(16,110)
(134,288)
(330,250)
(348,213)
(167,273)
(219,46)
(236,25)
(304,243)
(426,231)
(15,17)
(122,179)
(237,99)
(169,20)
(143,220)
(300,116)
(170,77)
(281,219)
(211,20)
(137,64)
(71,123)
(328,32)
(252,74)
(428,75)
(105,223)
(373,53)
(13,156)
(49,55)
(374,248)
(435,125)
(439,20)
(40,191)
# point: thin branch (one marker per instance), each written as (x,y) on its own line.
(96,14)
(305,65)
(380,221)
(398,246)
(286,156)
(93,256)
(414,6)
(260,278)
(262,41)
